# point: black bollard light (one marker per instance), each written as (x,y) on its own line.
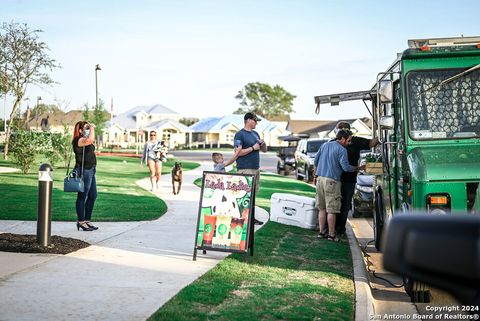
(44,213)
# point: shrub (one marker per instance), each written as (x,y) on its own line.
(26,146)
(61,147)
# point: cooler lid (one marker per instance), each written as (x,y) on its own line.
(293,198)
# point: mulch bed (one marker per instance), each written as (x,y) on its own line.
(25,243)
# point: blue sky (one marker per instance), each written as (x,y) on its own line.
(194,56)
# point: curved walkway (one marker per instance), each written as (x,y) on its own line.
(127,274)
(8,170)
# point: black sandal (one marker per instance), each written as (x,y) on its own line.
(90,225)
(322,235)
(333,238)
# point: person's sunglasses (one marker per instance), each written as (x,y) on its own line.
(152,135)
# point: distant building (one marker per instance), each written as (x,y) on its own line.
(220,131)
(133,127)
(325,128)
(361,127)
(310,127)
(55,122)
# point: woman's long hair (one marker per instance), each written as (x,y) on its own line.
(76,131)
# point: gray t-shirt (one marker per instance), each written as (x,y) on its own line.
(219,167)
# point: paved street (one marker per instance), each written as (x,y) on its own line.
(268,161)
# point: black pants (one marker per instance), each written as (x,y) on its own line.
(348,189)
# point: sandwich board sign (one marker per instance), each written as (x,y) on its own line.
(225,213)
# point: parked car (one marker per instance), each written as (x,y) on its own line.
(362,202)
(286,155)
(305,155)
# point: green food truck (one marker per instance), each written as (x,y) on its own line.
(426,114)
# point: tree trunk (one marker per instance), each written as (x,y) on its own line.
(9,128)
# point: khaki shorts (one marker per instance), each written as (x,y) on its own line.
(329,195)
(255,172)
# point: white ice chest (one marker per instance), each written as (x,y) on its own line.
(294,210)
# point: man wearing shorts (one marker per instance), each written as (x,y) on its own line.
(247,143)
(330,161)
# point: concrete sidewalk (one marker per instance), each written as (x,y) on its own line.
(127,274)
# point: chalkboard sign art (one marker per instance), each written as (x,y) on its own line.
(225,209)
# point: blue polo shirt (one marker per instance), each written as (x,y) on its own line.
(247,139)
(331,160)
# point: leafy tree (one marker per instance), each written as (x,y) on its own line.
(26,146)
(187,121)
(41,109)
(98,116)
(25,59)
(86,112)
(265,100)
(61,147)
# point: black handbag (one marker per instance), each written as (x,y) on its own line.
(72,182)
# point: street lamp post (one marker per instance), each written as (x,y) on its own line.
(27,113)
(97,68)
(36,111)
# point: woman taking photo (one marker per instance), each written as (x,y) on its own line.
(85,163)
(154,153)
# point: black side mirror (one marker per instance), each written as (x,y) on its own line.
(440,250)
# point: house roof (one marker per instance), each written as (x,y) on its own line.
(168,123)
(59,118)
(155,109)
(217,124)
(127,119)
(327,125)
(367,121)
(303,126)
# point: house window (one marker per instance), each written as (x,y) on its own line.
(229,136)
(167,134)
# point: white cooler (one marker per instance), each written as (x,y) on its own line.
(294,210)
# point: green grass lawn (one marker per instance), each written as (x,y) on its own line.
(119,198)
(293,275)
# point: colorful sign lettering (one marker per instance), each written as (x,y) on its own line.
(224,212)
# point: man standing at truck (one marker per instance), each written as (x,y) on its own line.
(349,179)
(329,163)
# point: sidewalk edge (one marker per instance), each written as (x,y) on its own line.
(364,306)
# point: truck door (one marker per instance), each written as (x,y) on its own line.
(402,176)
(389,153)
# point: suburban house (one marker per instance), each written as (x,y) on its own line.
(310,127)
(133,127)
(325,128)
(361,127)
(219,131)
(56,122)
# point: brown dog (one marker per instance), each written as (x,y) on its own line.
(177,177)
